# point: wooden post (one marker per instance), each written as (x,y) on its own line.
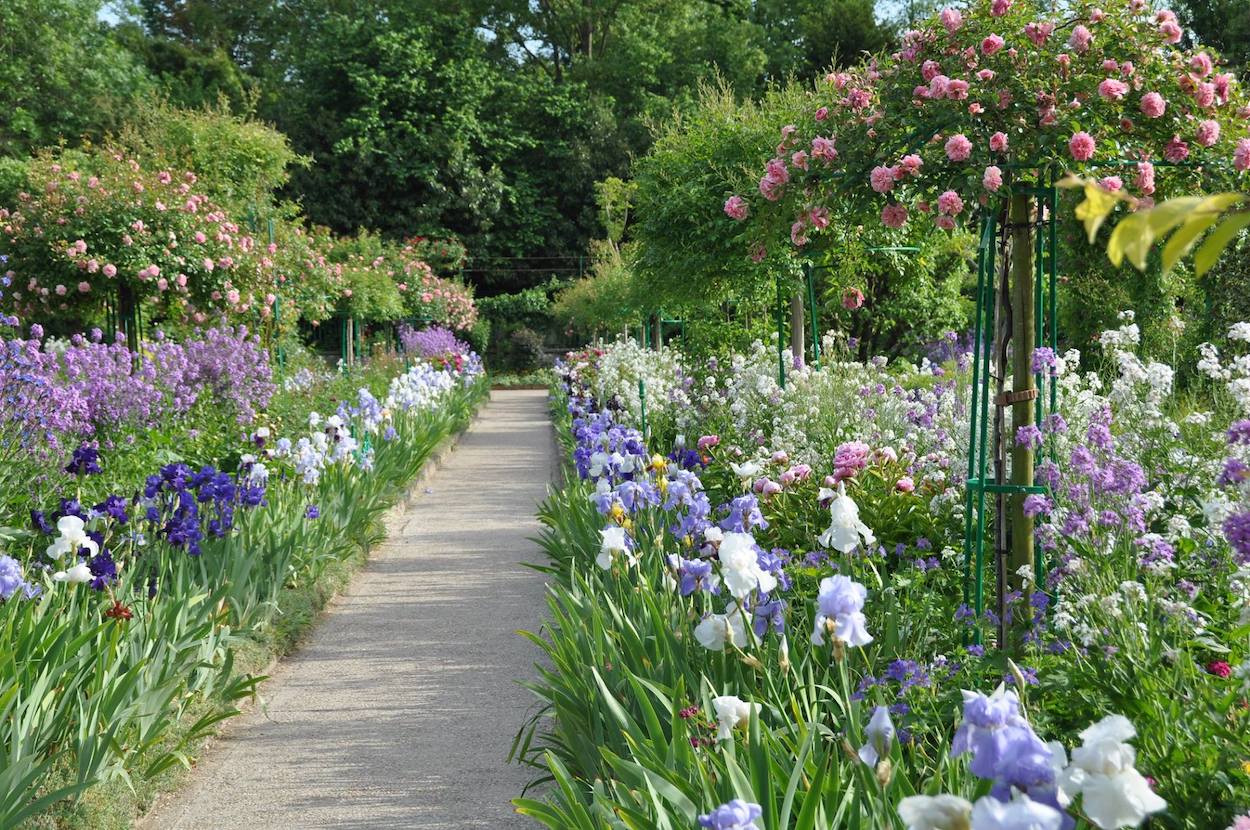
(1022,385)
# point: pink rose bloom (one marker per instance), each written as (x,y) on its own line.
(958,147)
(1171,32)
(998,143)
(799,159)
(200,237)
(950,204)
(1110,65)
(957,90)
(894,215)
(1176,150)
(999,7)
(882,179)
(975,108)
(822,113)
(1222,81)
(708,441)
(1204,95)
(819,217)
(992,179)
(952,20)
(985,74)
(208,264)
(1080,38)
(1153,105)
(910,164)
(1111,183)
(1241,823)
(232,296)
(93,266)
(161,284)
(937,86)
(1112,89)
(84,287)
(182,280)
(797,234)
(944,222)
(823,149)
(1202,64)
(1039,33)
(992,44)
(852,299)
(930,70)
(1081,146)
(736,208)
(60,291)
(109,270)
(1064,60)
(1145,180)
(1208,132)
(1241,155)
(905,485)
(1097,15)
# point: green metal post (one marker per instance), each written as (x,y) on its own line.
(809,271)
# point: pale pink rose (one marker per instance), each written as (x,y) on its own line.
(1081,146)
(985,74)
(1080,39)
(975,108)
(992,44)
(882,179)
(1223,81)
(957,89)
(937,86)
(1171,32)
(910,164)
(92,266)
(1202,64)
(1165,16)
(950,204)
(799,159)
(952,20)
(998,143)
(905,485)
(181,280)
(232,296)
(1204,95)
(60,291)
(1111,183)
(1208,132)
(1110,65)
(852,299)
(819,217)
(1153,105)
(992,179)
(930,70)
(823,149)
(736,208)
(1000,7)
(1241,155)
(1112,89)
(1145,179)
(958,147)
(1097,15)
(1039,32)
(109,270)
(894,215)
(162,284)
(84,287)
(1176,150)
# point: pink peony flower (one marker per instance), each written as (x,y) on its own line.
(1081,146)
(958,147)
(1145,180)
(894,215)
(162,284)
(852,299)
(736,208)
(998,143)
(1153,105)
(950,204)
(1208,132)
(1039,33)
(799,159)
(905,485)
(992,44)
(1111,183)
(952,20)
(1176,150)
(1112,89)
(1080,39)
(1241,155)
(992,179)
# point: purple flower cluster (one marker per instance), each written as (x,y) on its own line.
(186,504)
(434,341)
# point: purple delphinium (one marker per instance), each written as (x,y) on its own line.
(434,341)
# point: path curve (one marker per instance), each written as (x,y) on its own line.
(400,710)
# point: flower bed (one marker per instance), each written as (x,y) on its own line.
(127,596)
(760,615)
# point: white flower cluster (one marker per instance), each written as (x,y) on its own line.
(624,364)
(1233,373)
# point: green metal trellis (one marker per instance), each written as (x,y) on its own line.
(987,435)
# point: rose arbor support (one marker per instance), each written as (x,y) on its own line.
(1017,262)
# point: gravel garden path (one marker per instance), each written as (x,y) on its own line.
(400,710)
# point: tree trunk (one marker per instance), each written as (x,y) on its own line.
(349,341)
(797,328)
(1022,409)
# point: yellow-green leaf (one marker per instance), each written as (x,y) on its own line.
(1096,208)
(1132,238)
(1210,250)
